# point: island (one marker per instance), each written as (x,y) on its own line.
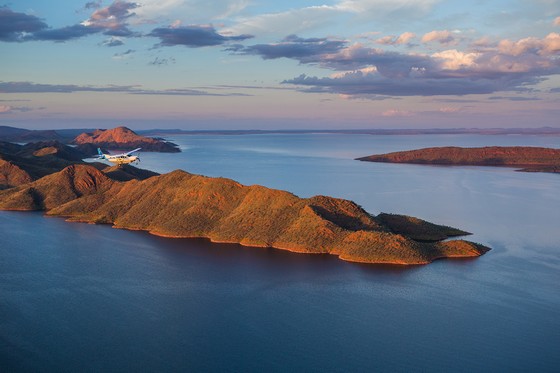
(21,164)
(526,158)
(184,205)
(123,138)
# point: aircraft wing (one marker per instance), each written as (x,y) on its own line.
(132,151)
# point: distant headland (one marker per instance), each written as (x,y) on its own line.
(180,204)
(89,140)
(528,159)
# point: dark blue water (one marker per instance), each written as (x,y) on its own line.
(80,297)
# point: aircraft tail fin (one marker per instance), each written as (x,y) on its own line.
(101,155)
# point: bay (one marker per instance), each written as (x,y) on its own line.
(79,297)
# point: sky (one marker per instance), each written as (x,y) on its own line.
(251,64)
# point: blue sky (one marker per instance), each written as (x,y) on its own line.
(234,64)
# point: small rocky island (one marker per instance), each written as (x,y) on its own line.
(528,159)
(123,138)
(180,204)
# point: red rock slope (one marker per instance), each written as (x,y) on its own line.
(180,204)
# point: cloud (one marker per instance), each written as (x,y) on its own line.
(112,42)
(161,61)
(362,71)
(449,109)
(194,36)
(386,6)
(441,36)
(295,20)
(513,98)
(93,4)
(304,50)
(64,33)
(196,11)
(123,55)
(6,109)
(397,113)
(299,20)
(15,26)
(29,87)
(361,85)
(111,20)
(404,38)
(548,46)
(556,21)
(455,60)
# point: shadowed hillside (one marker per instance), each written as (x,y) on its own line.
(124,138)
(20,164)
(179,204)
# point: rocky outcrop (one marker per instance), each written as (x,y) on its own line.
(179,204)
(124,138)
(11,175)
(533,159)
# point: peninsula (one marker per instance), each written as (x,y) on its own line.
(528,159)
(180,204)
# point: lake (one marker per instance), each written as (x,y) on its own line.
(82,297)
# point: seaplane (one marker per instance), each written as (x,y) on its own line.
(119,159)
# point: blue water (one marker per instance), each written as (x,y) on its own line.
(80,297)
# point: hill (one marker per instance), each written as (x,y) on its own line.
(124,138)
(179,204)
(14,134)
(20,164)
(533,159)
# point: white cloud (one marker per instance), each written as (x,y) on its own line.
(367,6)
(455,60)
(290,22)
(312,17)
(189,11)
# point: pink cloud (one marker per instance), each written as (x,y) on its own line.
(449,109)
(547,46)
(556,21)
(440,36)
(397,113)
(5,108)
(403,38)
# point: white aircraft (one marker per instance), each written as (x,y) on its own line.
(120,159)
